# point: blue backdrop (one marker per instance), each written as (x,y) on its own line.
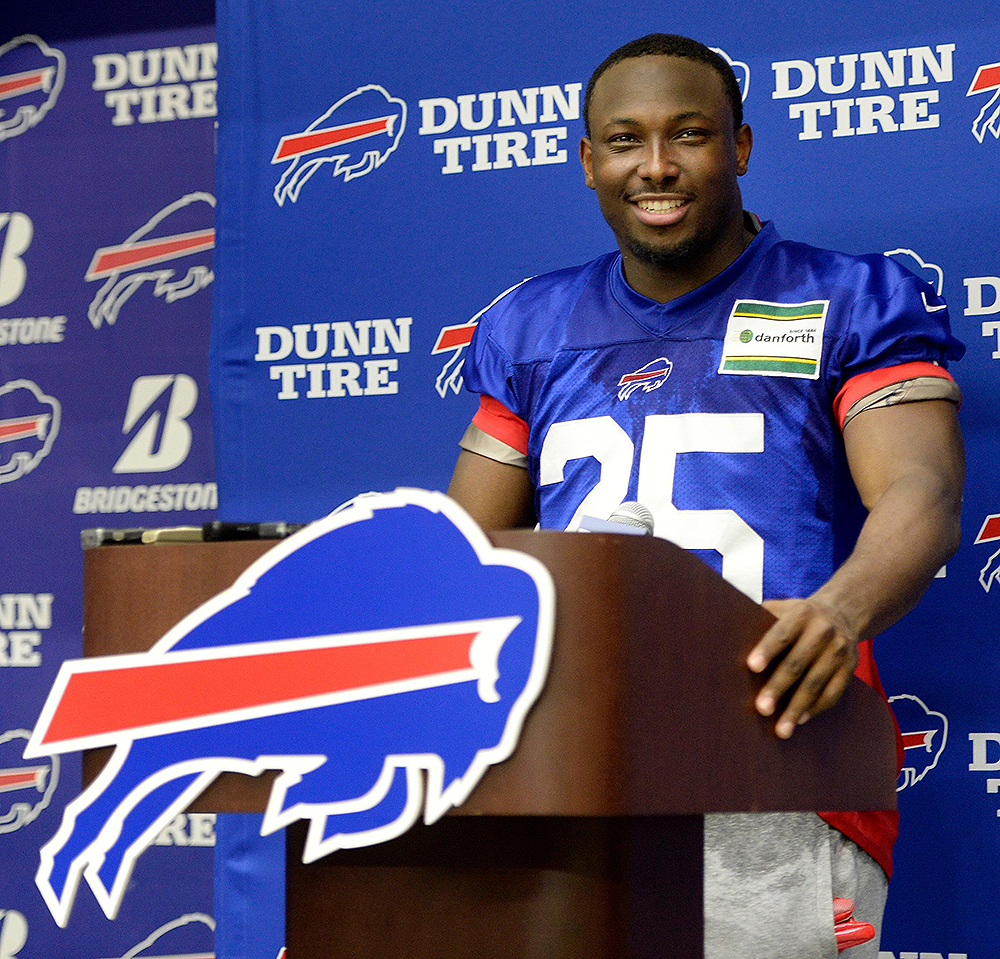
(341,314)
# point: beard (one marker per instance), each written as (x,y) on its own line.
(660,257)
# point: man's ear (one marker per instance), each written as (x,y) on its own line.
(586,161)
(744,144)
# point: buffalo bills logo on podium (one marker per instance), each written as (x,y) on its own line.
(31,77)
(176,241)
(356,135)
(925,734)
(29,424)
(381,660)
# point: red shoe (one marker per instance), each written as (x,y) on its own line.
(852,934)
(843,909)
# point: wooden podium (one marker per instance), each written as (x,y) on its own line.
(587,842)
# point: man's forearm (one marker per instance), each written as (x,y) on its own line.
(911,531)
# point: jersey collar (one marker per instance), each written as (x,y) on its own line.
(686,310)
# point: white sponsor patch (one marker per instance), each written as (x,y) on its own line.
(775,339)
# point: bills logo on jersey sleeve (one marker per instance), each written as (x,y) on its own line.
(29,424)
(990,533)
(356,135)
(987,79)
(647,378)
(31,77)
(925,734)
(26,788)
(381,659)
(171,252)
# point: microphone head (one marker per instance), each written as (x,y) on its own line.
(633,514)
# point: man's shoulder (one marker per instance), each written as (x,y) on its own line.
(851,275)
(527,321)
(554,287)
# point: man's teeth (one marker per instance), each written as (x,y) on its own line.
(659,206)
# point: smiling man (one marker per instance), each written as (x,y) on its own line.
(800,433)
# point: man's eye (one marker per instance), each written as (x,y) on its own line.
(691,135)
(622,138)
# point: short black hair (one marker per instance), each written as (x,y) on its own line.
(670,45)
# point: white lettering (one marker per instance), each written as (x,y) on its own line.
(189,829)
(17,648)
(974,286)
(980,752)
(783,78)
(26,611)
(31,329)
(146,499)
(265,350)
(428,115)
(110,71)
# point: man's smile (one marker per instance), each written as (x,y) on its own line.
(659,209)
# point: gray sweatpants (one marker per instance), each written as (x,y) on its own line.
(770,881)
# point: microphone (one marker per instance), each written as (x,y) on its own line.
(631,517)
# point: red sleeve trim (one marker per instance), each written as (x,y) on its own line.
(494,418)
(861,385)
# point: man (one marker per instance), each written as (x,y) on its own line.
(757,396)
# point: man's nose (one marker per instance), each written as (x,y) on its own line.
(658,162)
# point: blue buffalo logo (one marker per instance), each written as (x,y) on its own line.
(925,734)
(381,660)
(31,77)
(356,135)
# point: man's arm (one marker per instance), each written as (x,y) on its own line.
(496,495)
(908,464)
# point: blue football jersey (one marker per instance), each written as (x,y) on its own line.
(716,410)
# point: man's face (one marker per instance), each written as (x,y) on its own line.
(664,159)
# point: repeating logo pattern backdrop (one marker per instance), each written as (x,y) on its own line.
(370,211)
(106,238)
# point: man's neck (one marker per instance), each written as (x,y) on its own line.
(664,283)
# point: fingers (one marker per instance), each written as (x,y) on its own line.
(819,660)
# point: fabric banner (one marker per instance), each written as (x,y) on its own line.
(106,237)
(383,177)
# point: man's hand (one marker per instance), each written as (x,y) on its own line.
(822,651)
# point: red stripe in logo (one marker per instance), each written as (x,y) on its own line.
(453,337)
(15,84)
(297,144)
(22,427)
(986,78)
(126,256)
(93,702)
(990,530)
(11,779)
(920,739)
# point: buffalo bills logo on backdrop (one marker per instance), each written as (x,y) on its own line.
(647,378)
(190,936)
(925,734)
(987,80)
(456,340)
(356,135)
(381,659)
(31,77)
(741,70)
(29,424)
(930,273)
(26,788)
(990,533)
(168,251)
